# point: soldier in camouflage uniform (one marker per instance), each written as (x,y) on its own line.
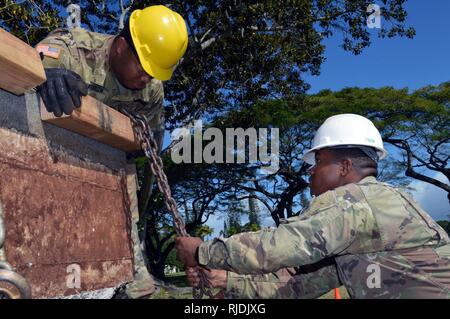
(121,71)
(358,232)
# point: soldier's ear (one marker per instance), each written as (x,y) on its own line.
(346,167)
(121,45)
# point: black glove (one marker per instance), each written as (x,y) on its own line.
(62,91)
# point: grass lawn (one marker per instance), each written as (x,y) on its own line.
(178,279)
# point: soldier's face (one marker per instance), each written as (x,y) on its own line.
(128,69)
(326,174)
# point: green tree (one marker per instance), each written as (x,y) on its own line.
(245,51)
(31,21)
(395,112)
(445,224)
(425,142)
(197,189)
(416,122)
(159,245)
(203,231)
(254,222)
(235,210)
(239,51)
(172,260)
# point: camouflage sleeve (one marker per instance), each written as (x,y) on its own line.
(286,283)
(331,227)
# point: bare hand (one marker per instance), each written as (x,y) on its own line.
(186,248)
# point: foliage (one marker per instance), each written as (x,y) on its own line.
(31,21)
(417,123)
(445,224)
(172,260)
(239,51)
(203,231)
(254,222)
(397,113)
(244,51)
(235,210)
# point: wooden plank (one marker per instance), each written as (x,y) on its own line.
(21,68)
(97,121)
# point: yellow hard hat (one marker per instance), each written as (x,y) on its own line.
(160,38)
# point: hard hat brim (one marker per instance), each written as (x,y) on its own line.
(155,71)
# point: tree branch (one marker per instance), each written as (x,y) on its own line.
(410,170)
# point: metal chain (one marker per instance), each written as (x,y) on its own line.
(20,287)
(150,147)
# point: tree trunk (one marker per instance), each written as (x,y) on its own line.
(158,270)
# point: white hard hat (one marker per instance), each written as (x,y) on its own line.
(346,130)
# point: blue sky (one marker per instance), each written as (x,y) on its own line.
(397,62)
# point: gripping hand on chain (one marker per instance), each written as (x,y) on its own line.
(216,278)
(186,248)
(62,91)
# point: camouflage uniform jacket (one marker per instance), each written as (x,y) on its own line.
(87,54)
(380,242)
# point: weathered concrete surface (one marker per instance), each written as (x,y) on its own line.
(106,293)
(65,201)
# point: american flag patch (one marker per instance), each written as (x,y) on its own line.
(47,50)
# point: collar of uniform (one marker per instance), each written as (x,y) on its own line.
(368,179)
(121,89)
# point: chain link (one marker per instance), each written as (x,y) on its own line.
(150,148)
